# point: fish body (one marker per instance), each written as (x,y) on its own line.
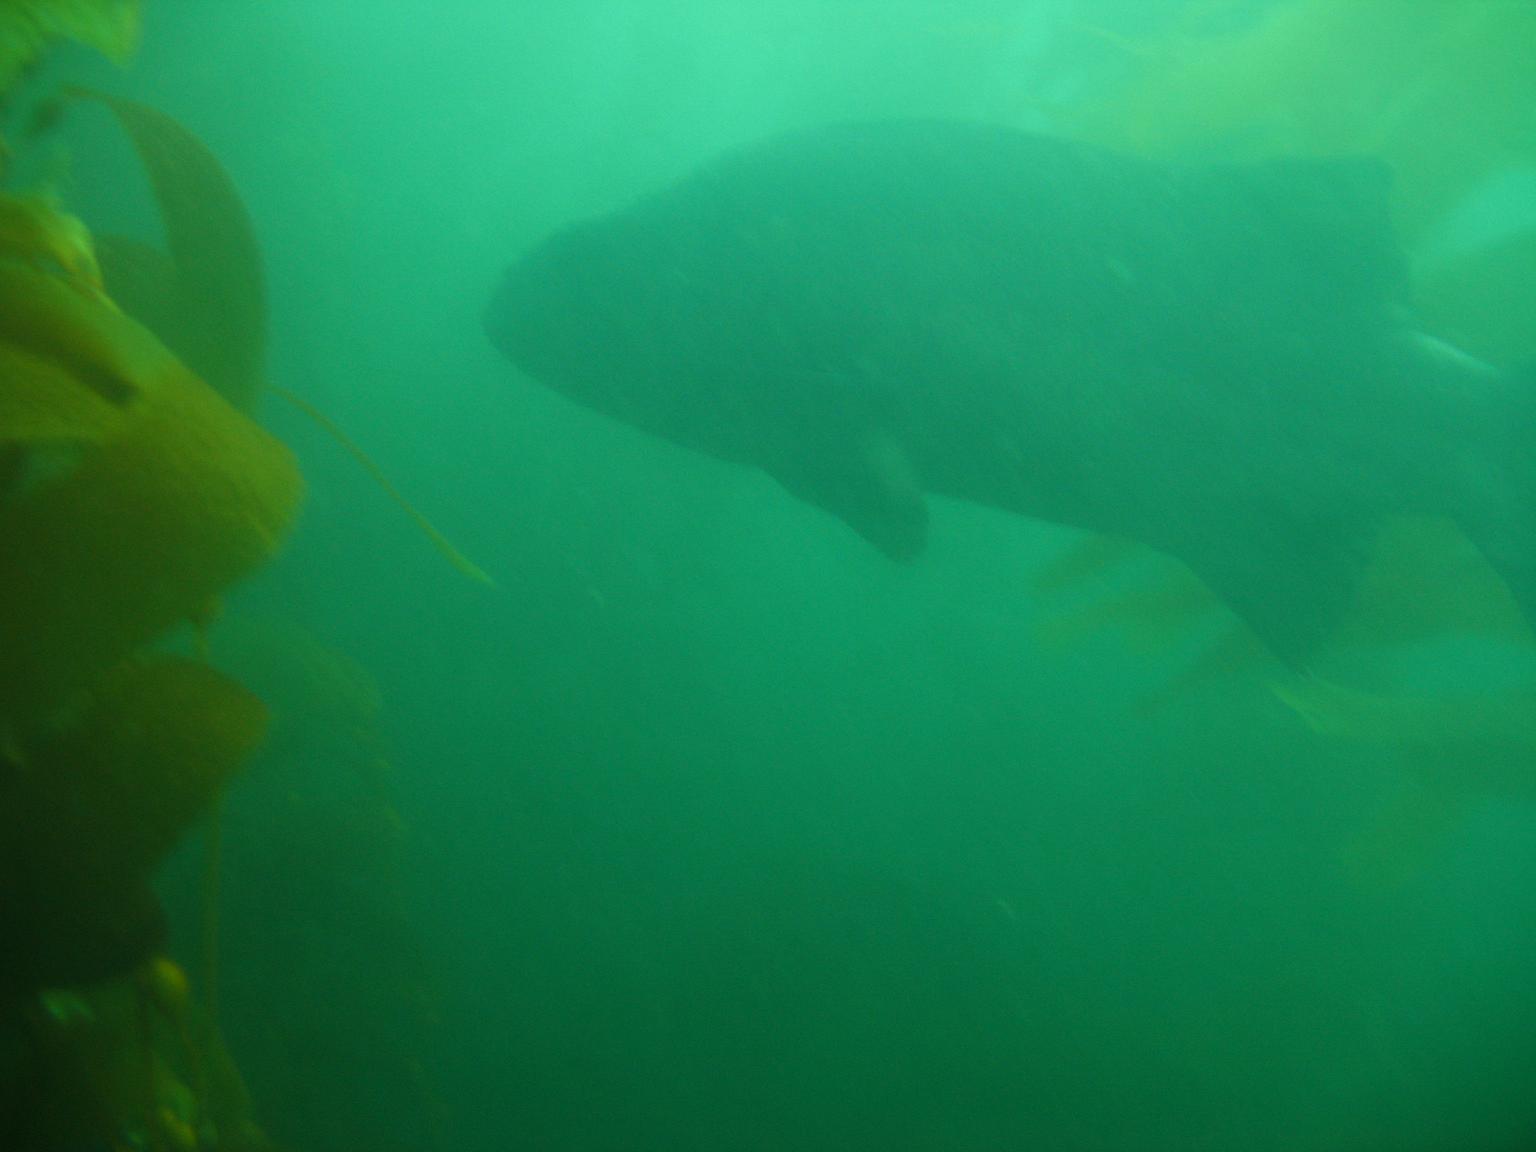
(1217,361)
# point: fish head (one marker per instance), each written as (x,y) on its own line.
(553,316)
(623,316)
(587,314)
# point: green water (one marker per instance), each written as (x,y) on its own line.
(717,830)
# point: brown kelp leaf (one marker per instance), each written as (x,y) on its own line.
(106,791)
(1466,741)
(1154,614)
(160,739)
(27,27)
(220,289)
(208,302)
(107,794)
(156,519)
(83,332)
(306,683)
(34,228)
(1092,557)
(41,403)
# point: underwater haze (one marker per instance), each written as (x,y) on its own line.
(713,828)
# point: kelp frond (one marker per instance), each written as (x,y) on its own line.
(209,297)
(35,228)
(28,27)
(1443,92)
(218,309)
(174,494)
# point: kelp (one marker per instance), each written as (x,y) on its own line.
(309,685)
(174,495)
(206,298)
(1426,579)
(132,495)
(136,496)
(1444,92)
(1440,91)
(34,228)
(216,313)
(130,1062)
(463,563)
(320,811)
(47,316)
(1449,750)
(103,797)
(1423,581)
(1155,603)
(168,493)
(28,27)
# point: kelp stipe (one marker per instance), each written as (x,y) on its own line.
(460,561)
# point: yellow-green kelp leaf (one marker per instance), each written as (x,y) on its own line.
(158,740)
(27,27)
(35,228)
(218,313)
(103,350)
(1443,90)
(1481,742)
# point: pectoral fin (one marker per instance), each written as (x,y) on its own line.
(866,480)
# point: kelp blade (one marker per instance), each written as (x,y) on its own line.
(208,301)
(156,518)
(27,27)
(1442,91)
(220,310)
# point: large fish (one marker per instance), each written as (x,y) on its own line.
(1218,361)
